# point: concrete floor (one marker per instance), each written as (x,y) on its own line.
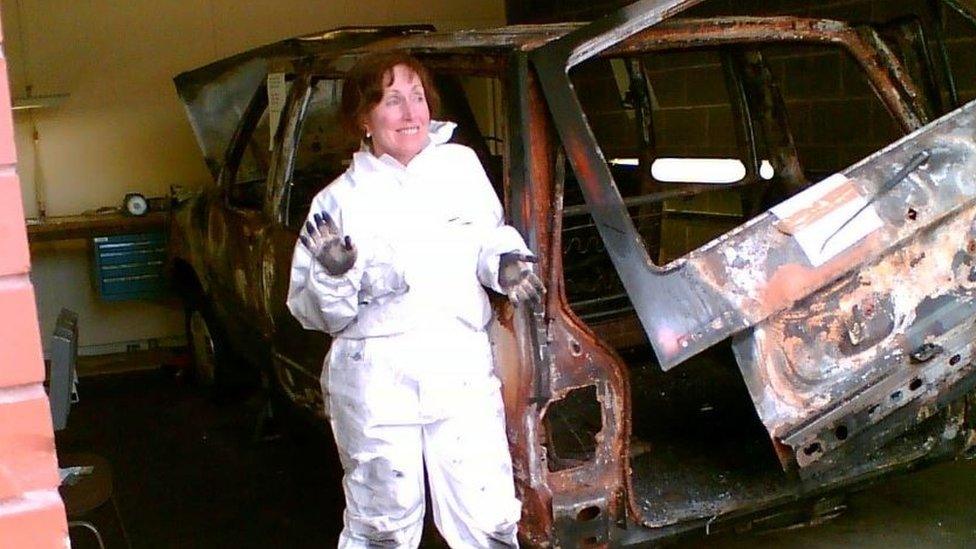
(188,473)
(935,507)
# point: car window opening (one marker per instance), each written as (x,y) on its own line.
(693,174)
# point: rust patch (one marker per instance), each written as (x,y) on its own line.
(788,283)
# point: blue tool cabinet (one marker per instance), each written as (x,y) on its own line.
(130,266)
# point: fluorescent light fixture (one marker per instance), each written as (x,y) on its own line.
(38,102)
(717,171)
(624,162)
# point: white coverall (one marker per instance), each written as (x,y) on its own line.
(408,380)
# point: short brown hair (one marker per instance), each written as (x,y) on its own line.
(365,82)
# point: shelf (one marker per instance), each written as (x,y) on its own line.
(90,226)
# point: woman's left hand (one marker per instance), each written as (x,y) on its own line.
(518,281)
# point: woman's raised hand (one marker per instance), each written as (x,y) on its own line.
(323,240)
(516,278)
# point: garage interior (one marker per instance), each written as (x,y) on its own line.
(96,118)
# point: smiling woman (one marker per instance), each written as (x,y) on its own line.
(390,108)
(391,262)
(399,124)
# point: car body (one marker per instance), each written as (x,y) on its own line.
(710,353)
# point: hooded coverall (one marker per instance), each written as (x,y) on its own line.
(408,380)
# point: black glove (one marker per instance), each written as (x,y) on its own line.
(322,239)
(517,280)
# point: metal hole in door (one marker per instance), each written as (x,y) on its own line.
(587,514)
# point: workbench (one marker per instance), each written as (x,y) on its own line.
(91,226)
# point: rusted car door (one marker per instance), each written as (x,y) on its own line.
(237,226)
(297,353)
(850,305)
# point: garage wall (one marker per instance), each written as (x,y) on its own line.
(121,127)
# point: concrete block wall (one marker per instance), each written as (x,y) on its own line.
(598,89)
(835,115)
(31,511)
(692,109)
(960,33)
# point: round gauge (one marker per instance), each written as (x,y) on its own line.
(135,204)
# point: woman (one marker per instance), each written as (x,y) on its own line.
(392,262)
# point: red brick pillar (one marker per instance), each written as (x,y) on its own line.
(31,512)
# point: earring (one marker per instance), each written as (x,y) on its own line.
(368,134)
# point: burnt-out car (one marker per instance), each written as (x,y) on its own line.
(759,235)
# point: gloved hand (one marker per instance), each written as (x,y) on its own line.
(517,280)
(322,239)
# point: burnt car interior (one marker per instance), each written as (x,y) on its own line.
(778,116)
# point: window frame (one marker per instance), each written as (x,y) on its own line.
(297,120)
(899,101)
(242,139)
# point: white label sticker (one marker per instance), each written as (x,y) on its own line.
(815,215)
(276,103)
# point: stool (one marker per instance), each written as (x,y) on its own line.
(86,490)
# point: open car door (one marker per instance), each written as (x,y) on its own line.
(850,305)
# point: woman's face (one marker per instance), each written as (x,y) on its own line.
(400,122)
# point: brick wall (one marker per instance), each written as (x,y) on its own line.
(31,512)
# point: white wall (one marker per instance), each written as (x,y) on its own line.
(122,128)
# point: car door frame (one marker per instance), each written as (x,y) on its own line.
(235,283)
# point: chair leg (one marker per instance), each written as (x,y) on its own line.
(89,526)
(118,517)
